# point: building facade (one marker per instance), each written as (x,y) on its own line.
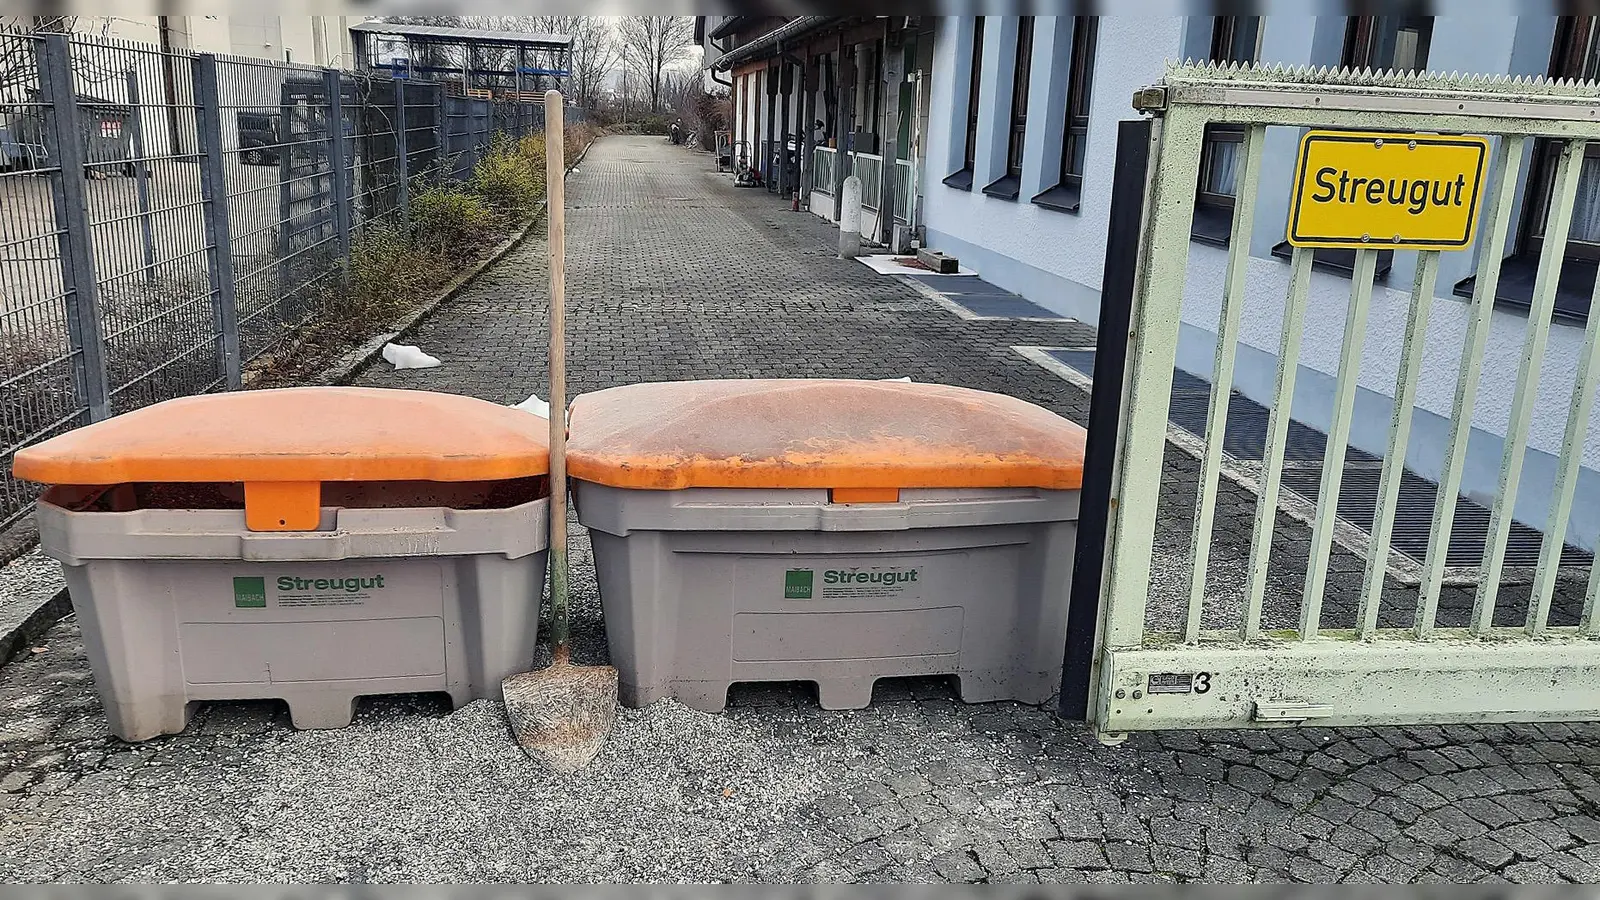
(1011,152)
(817,98)
(139,62)
(1022,149)
(281,36)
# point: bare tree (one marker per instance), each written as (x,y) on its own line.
(678,87)
(593,55)
(18,64)
(652,44)
(92,64)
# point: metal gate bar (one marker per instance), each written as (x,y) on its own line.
(1394,461)
(1522,402)
(1233,298)
(1277,437)
(1493,231)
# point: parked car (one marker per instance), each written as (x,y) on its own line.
(258,138)
(17,152)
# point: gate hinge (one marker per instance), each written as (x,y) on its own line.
(1150,100)
(1290,711)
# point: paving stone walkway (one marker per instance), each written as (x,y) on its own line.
(676,274)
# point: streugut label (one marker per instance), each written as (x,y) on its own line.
(1372,190)
(349,585)
(1415,194)
(843,584)
(851,576)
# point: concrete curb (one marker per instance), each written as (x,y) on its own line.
(343,370)
(32,624)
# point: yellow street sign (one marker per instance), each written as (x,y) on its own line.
(1376,190)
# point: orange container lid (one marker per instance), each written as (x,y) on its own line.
(822,433)
(310,434)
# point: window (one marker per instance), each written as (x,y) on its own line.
(1576,54)
(1019,94)
(1388,42)
(1234,39)
(1399,43)
(1010,184)
(1075,133)
(963,178)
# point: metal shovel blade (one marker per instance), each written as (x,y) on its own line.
(562,714)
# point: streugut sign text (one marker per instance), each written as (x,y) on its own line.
(1381,190)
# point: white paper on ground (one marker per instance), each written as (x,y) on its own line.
(884,264)
(404,356)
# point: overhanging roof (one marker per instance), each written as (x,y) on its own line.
(443,34)
(727,26)
(774,38)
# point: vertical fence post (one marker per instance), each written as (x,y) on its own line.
(141,174)
(63,140)
(402,157)
(214,212)
(286,218)
(1124,231)
(441,106)
(332,84)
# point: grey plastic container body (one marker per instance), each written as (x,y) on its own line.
(179,606)
(706,587)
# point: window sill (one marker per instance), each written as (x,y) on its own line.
(1212,225)
(1337,262)
(1006,188)
(1061,198)
(1515,290)
(961,181)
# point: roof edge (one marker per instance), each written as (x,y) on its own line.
(790,29)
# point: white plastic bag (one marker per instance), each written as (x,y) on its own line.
(404,356)
(533,404)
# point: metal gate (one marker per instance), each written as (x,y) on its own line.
(1266,639)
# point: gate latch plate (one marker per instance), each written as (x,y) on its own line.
(1290,711)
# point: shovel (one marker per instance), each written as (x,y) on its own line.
(560,715)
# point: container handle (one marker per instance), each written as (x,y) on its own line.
(316,545)
(866,517)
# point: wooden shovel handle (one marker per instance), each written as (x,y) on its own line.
(555,195)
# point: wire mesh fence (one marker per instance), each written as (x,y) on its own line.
(167,217)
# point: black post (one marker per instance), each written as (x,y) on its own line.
(1105,412)
(69,201)
(338,161)
(808,112)
(847,103)
(772,121)
(785,88)
(141,175)
(218,225)
(402,153)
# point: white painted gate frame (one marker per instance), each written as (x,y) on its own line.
(1367,675)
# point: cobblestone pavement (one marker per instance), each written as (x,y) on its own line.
(676,274)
